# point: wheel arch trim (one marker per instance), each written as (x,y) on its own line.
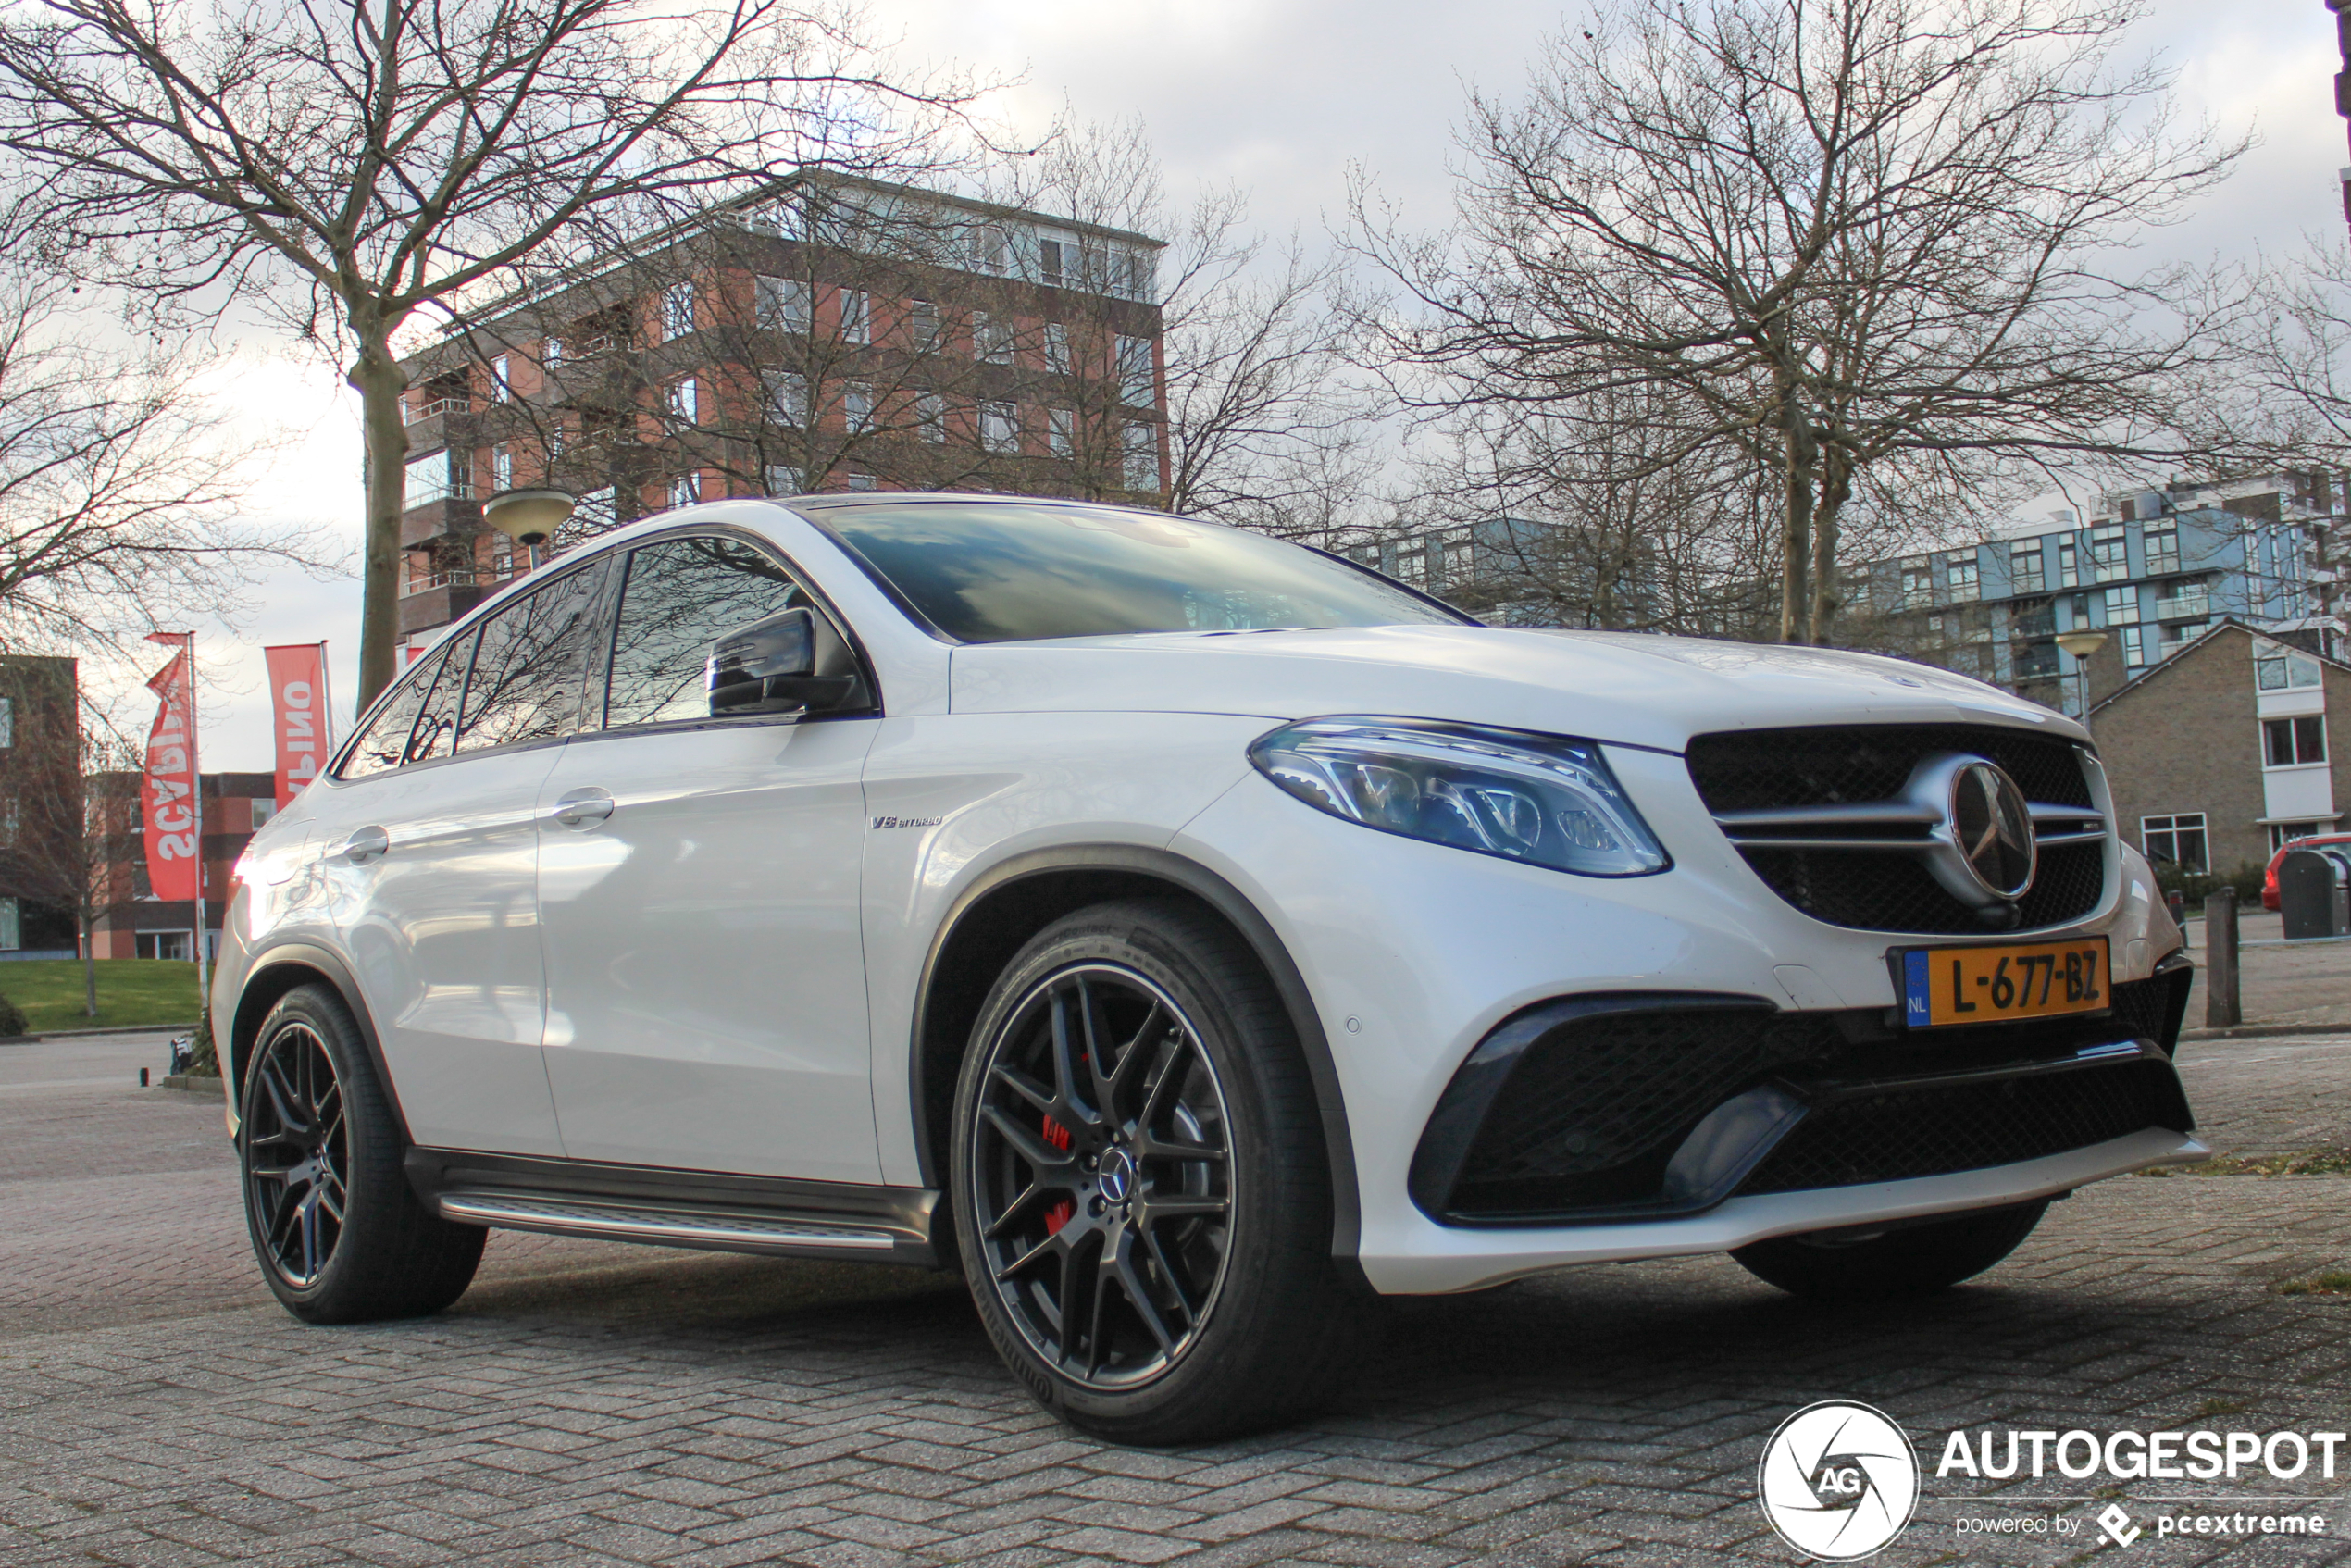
(255,999)
(1230,903)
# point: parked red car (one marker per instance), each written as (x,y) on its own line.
(2269,877)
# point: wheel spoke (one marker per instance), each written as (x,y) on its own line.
(1031,1258)
(1020,1083)
(281,1096)
(1134,1062)
(1130,1285)
(1090,1020)
(1171,1077)
(310,1233)
(1183,1206)
(1041,1154)
(1099,1307)
(1149,1147)
(1174,1276)
(1065,1061)
(1016,1210)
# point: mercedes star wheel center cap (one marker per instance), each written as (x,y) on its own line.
(1117,1176)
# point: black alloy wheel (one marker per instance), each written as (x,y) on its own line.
(1103,1182)
(341,1235)
(297,1156)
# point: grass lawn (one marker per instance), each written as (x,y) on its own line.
(131,991)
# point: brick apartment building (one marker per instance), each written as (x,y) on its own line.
(41,795)
(2226,750)
(833,334)
(133,923)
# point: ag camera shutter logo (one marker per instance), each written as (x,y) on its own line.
(1838,1480)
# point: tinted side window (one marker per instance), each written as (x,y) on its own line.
(527,674)
(683,595)
(435,731)
(385,743)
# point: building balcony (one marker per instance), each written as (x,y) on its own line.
(439,606)
(433,408)
(2184,606)
(453,515)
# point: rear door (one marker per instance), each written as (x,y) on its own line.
(699,894)
(434,864)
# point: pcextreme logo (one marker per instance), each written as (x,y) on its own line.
(1838,1480)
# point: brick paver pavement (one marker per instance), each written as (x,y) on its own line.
(601,1405)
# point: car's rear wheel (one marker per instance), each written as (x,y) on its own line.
(1142,1197)
(1914,1261)
(341,1236)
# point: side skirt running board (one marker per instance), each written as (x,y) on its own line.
(706,1210)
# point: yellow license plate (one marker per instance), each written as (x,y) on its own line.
(1992,985)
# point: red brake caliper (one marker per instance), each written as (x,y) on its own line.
(1058,1216)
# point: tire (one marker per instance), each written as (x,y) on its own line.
(339,1235)
(1914,1261)
(1199,1294)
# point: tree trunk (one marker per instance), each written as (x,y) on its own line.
(1796,538)
(1836,484)
(380,381)
(89,965)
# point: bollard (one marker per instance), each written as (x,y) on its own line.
(2223,1007)
(143,1078)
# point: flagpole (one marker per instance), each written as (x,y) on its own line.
(195,771)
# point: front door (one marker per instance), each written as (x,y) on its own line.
(699,899)
(432,852)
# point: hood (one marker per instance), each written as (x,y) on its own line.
(1628,687)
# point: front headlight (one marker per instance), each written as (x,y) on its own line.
(1537,798)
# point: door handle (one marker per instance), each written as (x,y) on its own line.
(365,844)
(583,809)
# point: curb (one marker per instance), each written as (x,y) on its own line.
(2265,1031)
(114,1030)
(187,1085)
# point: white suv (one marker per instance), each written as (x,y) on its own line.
(1188,934)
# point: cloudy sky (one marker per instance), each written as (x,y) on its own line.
(1279,96)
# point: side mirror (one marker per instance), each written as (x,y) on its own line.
(769,668)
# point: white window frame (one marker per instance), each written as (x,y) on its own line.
(677,311)
(1000,425)
(785,305)
(2171,828)
(856,316)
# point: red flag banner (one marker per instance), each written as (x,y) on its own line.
(167,793)
(298,708)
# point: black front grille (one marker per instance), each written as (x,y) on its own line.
(1871,890)
(1591,1109)
(1895,1133)
(1876,890)
(1755,769)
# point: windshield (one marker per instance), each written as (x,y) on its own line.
(993,571)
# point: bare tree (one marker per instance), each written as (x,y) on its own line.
(1262,427)
(1870,246)
(68,790)
(115,484)
(350,165)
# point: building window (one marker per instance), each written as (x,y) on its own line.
(550,355)
(2163,548)
(1000,427)
(856,316)
(2277,672)
(2187,599)
(1057,348)
(501,386)
(1411,564)
(930,417)
(1061,431)
(2284,833)
(2109,559)
(685,489)
(783,304)
(923,318)
(8,722)
(991,338)
(1136,384)
(864,481)
(1142,456)
(437,476)
(501,466)
(11,926)
(857,407)
(2134,648)
(684,401)
(788,398)
(2068,576)
(2290,742)
(2024,568)
(1965,587)
(1918,583)
(677,311)
(1049,263)
(2121,607)
(784,479)
(989,245)
(2175,841)
(1459,558)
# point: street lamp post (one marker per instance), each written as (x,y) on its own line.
(2081,645)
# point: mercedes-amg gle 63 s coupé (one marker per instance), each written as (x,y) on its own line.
(1189,937)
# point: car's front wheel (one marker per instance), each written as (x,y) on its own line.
(341,1235)
(1912,1261)
(1141,1192)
